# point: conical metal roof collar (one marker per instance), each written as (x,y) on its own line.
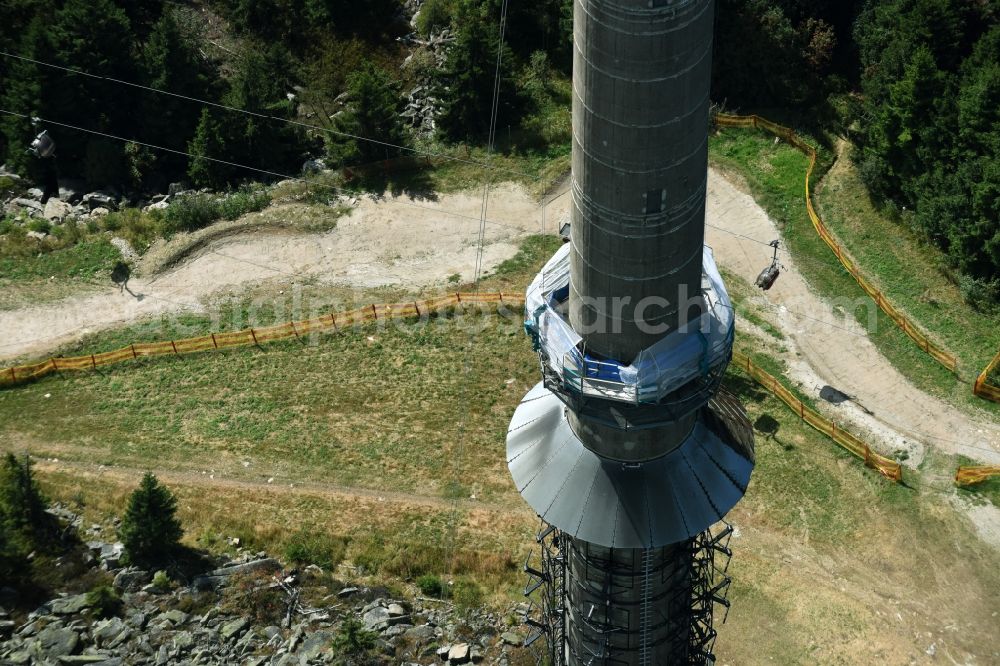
(616,505)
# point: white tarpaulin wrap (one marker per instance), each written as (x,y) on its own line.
(675,360)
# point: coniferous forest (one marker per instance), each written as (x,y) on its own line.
(915,84)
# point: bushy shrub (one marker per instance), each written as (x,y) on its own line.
(307,547)
(40,225)
(244,200)
(104,601)
(983,295)
(467,594)
(190,213)
(353,638)
(161,581)
(430,585)
(150,530)
(434,15)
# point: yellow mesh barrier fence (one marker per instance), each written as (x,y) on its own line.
(967,476)
(885,466)
(331,323)
(981,388)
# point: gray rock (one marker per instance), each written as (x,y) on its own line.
(29,204)
(459,653)
(218,578)
(376,619)
(7,627)
(19,657)
(132,580)
(37,235)
(442,653)
(56,642)
(396,610)
(421,634)
(234,628)
(100,211)
(315,645)
(347,592)
(69,605)
(511,638)
(138,619)
(176,188)
(56,210)
(102,632)
(396,630)
(272,631)
(174,617)
(101,199)
(85,659)
(183,641)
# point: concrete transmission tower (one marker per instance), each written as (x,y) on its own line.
(627,449)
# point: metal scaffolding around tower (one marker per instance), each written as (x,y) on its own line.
(627,449)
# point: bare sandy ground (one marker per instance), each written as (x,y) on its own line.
(395,241)
(826,346)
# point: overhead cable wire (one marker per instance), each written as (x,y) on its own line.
(481,239)
(266,116)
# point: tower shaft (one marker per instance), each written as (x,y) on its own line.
(625,449)
(641,76)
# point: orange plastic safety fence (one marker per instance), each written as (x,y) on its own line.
(885,466)
(982,387)
(968,475)
(788,135)
(256,336)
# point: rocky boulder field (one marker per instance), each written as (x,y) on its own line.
(245,610)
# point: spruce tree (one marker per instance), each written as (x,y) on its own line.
(209,141)
(21,500)
(466,85)
(150,530)
(374,111)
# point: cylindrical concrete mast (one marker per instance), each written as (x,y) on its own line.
(625,450)
(641,78)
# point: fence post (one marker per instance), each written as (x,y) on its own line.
(416,306)
(174,345)
(13,375)
(93,362)
(333,320)
(295,332)
(134,355)
(254,336)
(214,343)
(374,312)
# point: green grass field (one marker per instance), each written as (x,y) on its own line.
(409,427)
(905,270)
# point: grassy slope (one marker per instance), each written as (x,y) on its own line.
(380,415)
(45,276)
(775,173)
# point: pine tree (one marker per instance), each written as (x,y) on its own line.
(21,501)
(374,111)
(466,85)
(150,529)
(209,141)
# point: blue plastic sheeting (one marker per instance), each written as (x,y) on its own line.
(676,359)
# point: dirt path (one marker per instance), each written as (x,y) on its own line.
(826,346)
(395,241)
